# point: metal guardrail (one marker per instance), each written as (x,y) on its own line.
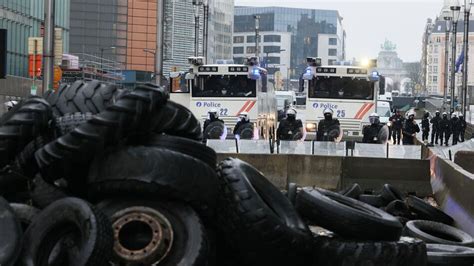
(342,149)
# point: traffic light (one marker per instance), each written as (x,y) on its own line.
(3,53)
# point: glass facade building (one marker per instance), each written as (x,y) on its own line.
(305,25)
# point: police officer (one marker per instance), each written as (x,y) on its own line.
(290,127)
(244,119)
(410,128)
(329,129)
(376,132)
(455,128)
(425,126)
(213,116)
(463,126)
(397,125)
(444,129)
(435,130)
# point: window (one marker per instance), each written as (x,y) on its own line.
(271,49)
(332,41)
(435,60)
(250,49)
(224,86)
(331,62)
(238,39)
(435,49)
(435,79)
(341,88)
(238,50)
(332,52)
(435,69)
(272,38)
(250,39)
(272,60)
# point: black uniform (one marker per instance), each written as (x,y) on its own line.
(397,125)
(435,129)
(238,128)
(288,127)
(425,127)
(456,129)
(463,127)
(328,130)
(410,127)
(444,130)
(371,133)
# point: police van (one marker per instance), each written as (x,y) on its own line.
(349,91)
(229,88)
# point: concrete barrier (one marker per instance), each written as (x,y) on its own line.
(465,159)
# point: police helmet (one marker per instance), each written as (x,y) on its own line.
(445,114)
(461,115)
(437,112)
(454,115)
(291,111)
(213,113)
(411,113)
(374,118)
(328,111)
(244,116)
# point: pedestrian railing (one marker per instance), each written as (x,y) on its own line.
(342,149)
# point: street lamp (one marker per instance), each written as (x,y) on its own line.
(447,19)
(456,12)
(153,52)
(467,11)
(102,54)
(257,35)
(196,4)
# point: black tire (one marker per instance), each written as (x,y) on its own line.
(353,191)
(391,193)
(246,131)
(399,208)
(214,130)
(152,171)
(25,214)
(292,191)
(29,120)
(177,120)
(425,211)
(43,194)
(335,251)
(183,145)
(68,122)
(10,240)
(190,244)
(69,156)
(447,255)
(438,233)
(257,223)
(373,200)
(347,217)
(82,97)
(89,228)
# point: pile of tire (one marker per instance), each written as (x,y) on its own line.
(92,175)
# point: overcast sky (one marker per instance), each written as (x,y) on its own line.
(369,22)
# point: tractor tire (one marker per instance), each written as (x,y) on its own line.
(425,211)
(68,122)
(11,234)
(448,255)
(438,233)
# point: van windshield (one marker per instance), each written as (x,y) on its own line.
(384,111)
(341,88)
(224,86)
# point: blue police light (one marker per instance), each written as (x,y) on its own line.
(308,73)
(254,73)
(374,76)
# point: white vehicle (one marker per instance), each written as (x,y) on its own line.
(350,91)
(384,111)
(231,89)
(282,96)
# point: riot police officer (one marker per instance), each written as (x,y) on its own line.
(455,128)
(410,128)
(463,126)
(290,128)
(397,125)
(243,129)
(444,129)
(218,128)
(375,132)
(329,129)
(435,130)
(425,126)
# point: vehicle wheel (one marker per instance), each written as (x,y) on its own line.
(335,251)
(373,200)
(152,171)
(30,119)
(183,145)
(149,232)
(391,193)
(214,130)
(82,97)
(258,224)
(25,214)
(43,194)
(353,191)
(292,191)
(437,233)
(177,120)
(88,228)
(69,156)
(10,240)
(345,216)
(246,131)
(425,211)
(447,255)
(68,122)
